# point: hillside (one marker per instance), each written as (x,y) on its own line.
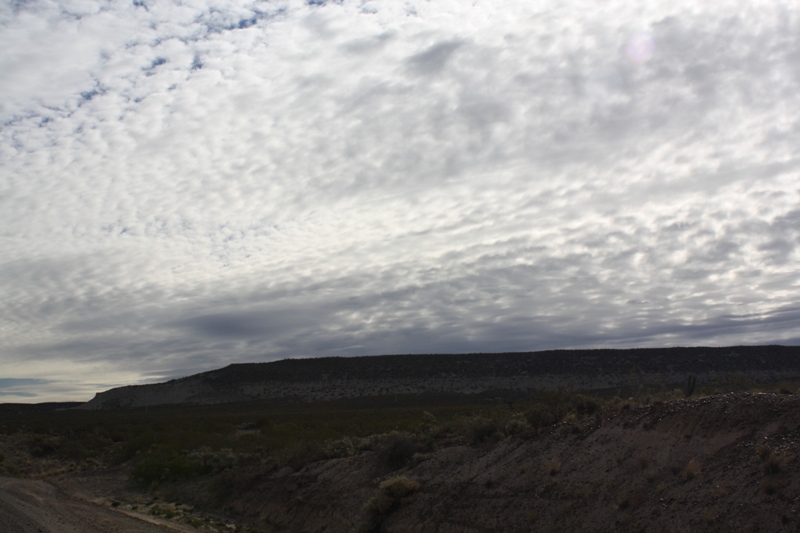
(514,374)
(721,463)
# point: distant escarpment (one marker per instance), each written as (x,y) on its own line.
(504,373)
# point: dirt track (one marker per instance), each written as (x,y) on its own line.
(32,506)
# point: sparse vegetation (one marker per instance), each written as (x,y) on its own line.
(390,494)
(771,462)
(397,449)
(167,444)
(482,429)
(227,449)
(691,383)
(692,470)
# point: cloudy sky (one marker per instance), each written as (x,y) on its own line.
(186,184)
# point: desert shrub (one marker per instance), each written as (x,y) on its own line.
(623,404)
(43,445)
(553,406)
(229,483)
(691,383)
(736,382)
(692,469)
(300,454)
(585,405)
(164,512)
(429,421)
(399,487)
(208,461)
(396,449)
(559,401)
(161,465)
(344,447)
(540,416)
(481,429)
(379,507)
(75,450)
(771,461)
(516,424)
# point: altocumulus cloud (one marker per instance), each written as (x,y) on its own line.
(189,184)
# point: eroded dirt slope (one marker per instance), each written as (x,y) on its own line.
(721,463)
(35,506)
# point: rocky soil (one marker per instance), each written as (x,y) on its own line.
(36,506)
(722,463)
(719,463)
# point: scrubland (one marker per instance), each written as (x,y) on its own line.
(654,459)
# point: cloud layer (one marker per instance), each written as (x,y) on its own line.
(188,184)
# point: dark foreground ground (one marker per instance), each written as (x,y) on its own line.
(36,506)
(723,462)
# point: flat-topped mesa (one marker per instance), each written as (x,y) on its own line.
(519,373)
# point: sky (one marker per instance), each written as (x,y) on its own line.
(186,184)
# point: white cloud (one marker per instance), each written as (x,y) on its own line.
(187,184)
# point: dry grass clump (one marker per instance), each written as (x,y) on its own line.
(554,467)
(516,424)
(399,487)
(772,462)
(554,406)
(692,470)
(540,416)
(390,495)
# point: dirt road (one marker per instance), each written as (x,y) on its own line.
(32,506)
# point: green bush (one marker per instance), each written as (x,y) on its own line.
(540,416)
(397,449)
(208,461)
(481,429)
(772,462)
(43,445)
(300,454)
(585,405)
(335,448)
(162,465)
(516,424)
